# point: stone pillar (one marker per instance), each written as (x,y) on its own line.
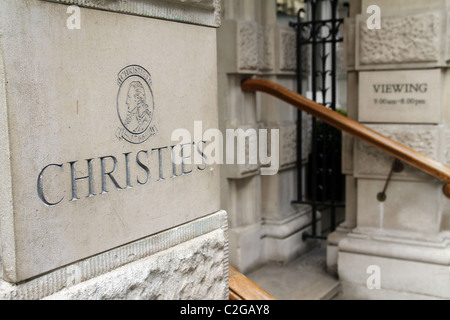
(399,248)
(348,141)
(264,226)
(93,205)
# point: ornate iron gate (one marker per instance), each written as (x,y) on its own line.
(324,181)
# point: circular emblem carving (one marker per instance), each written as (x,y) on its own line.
(135,105)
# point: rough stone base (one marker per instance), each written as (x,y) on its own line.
(191,270)
(189,262)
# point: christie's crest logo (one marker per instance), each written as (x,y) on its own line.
(135,105)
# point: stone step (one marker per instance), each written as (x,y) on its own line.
(302,279)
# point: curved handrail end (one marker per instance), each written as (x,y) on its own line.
(246,85)
(446,190)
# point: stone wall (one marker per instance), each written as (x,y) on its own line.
(406,236)
(264,226)
(188,262)
(94,204)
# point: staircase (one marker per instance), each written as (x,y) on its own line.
(305,278)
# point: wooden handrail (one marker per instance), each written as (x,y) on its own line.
(359,131)
(242,288)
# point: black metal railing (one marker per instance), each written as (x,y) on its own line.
(325,183)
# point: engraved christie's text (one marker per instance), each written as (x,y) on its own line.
(135,166)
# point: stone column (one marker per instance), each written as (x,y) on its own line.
(399,248)
(348,63)
(264,226)
(92,204)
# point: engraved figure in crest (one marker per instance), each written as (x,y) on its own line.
(135,105)
(139,114)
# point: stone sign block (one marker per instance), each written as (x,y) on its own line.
(86,118)
(413,96)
